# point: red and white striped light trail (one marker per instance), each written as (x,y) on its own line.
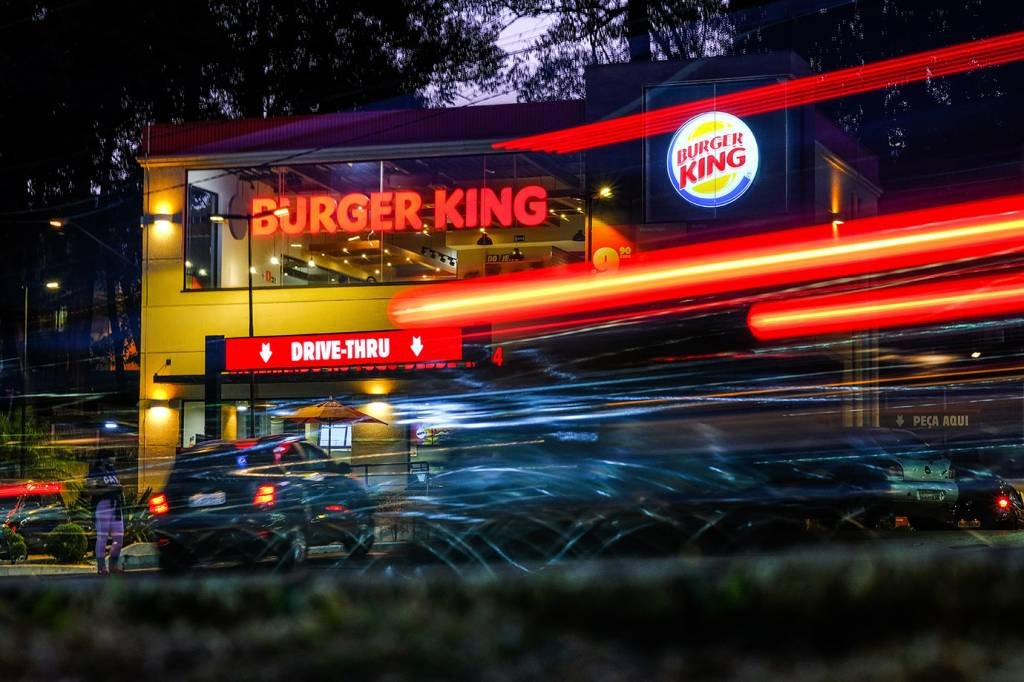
(902,240)
(896,307)
(758,100)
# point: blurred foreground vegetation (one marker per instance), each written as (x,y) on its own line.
(838,617)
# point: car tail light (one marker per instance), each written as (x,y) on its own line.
(266,495)
(158,504)
(895,470)
(336,508)
(1003,502)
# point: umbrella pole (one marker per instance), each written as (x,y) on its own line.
(330,438)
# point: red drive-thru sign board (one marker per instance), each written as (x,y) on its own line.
(359,349)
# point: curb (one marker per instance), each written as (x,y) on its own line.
(44,569)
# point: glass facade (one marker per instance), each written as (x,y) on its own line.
(390,221)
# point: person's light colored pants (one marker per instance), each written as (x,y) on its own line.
(108,527)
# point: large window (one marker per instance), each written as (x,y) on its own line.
(373,222)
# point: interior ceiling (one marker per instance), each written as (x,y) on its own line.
(554,173)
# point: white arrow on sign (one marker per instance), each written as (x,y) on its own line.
(899,420)
(417,346)
(265,353)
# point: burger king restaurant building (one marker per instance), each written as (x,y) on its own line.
(272,247)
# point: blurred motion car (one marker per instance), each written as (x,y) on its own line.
(988,502)
(254,499)
(33,509)
(662,487)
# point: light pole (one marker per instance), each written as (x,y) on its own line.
(248,218)
(51,285)
(604,192)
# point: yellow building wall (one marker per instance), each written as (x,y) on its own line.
(175,322)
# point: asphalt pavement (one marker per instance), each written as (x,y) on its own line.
(393,559)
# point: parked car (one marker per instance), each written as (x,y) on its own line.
(33,509)
(988,502)
(259,498)
(868,476)
(919,479)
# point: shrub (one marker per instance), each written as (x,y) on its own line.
(67,543)
(12,546)
(138,522)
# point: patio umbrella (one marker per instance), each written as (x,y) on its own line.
(329,412)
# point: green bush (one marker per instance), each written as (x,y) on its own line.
(12,546)
(67,543)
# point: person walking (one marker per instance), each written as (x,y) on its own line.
(108,507)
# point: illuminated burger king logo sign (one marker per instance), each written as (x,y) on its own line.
(400,210)
(712,159)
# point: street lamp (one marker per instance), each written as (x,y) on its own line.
(59,224)
(222,218)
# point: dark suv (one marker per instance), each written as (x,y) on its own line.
(259,498)
(32,509)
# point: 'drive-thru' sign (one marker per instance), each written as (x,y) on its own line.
(318,351)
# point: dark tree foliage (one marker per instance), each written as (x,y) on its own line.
(961,131)
(81,79)
(946,131)
(582,33)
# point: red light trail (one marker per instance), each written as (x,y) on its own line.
(831,85)
(902,240)
(897,307)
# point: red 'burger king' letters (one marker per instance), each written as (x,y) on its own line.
(400,210)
